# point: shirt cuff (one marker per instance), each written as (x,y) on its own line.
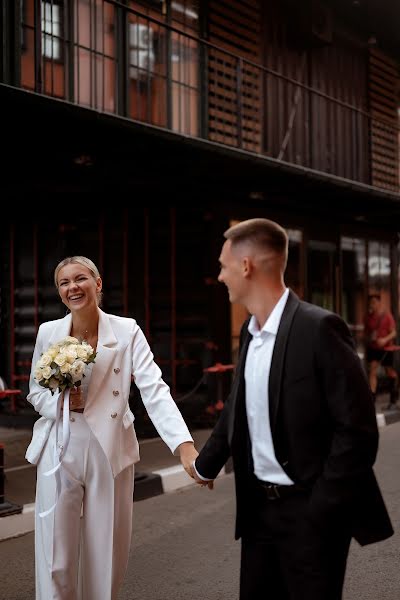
(198,474)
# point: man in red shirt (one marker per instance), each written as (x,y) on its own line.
(380,331)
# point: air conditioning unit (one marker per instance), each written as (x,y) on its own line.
(141,51)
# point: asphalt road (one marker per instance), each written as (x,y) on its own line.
(183,546)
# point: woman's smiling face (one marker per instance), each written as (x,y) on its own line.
(77,286)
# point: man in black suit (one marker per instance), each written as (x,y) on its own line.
(300,426)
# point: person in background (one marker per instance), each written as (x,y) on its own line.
(380,331)
(82,546)
(300,426)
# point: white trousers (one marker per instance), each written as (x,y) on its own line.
(82,548)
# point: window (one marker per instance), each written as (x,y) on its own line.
(293,274)
(51,30)
(141,50)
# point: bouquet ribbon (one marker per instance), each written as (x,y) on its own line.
(59,451)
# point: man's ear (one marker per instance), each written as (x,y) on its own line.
(247,266)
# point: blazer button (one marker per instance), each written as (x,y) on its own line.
(113,415)
(116,393)
(72,419)
(117,370)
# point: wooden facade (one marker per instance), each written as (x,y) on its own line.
(237,108)
(384,93)
(287,80)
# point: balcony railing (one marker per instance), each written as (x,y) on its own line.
(106,55)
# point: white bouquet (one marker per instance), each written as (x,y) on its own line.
(63,364)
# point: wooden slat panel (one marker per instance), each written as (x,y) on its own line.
(384,93)
(234,16)
(386,145)
(383,83)
(241,31)
(380,162)
(384,59)
(235,26)
(228,105)
(249,78)
(224,139)
(240,7)
(387,102)
(227,39)
(384,70)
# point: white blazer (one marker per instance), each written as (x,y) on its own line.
(122,351)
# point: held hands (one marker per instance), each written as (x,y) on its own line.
(188,455)
(203,482)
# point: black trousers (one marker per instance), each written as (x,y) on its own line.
(285,556)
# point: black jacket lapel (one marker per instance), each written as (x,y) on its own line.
(238,387)
(278,357)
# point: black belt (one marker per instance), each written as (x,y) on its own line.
(276,491)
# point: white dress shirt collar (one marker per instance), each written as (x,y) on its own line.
(271,325)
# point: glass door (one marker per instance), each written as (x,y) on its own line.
(322,274)
(354,287)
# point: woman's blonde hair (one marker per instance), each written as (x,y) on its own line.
(80,260)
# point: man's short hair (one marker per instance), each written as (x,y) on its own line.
(262,232)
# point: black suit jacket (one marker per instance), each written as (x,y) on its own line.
(323,424)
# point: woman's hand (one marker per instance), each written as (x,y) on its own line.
(188,455)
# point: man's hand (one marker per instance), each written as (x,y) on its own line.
(188,455)
(209,484)
(203,482)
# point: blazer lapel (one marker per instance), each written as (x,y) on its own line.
(278,357)
(237,399)
(105,355)
(61,330)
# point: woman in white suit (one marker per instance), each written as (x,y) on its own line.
(82,546)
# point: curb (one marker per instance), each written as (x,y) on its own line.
(387,418)
(16,525)
(147,485)
(380,419)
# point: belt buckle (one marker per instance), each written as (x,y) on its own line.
(273,492)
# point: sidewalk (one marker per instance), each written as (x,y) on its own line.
(157,472)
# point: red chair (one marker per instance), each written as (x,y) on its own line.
(12,394)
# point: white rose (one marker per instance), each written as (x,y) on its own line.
(65,368)
(52,352)
(67,340)
(38,374)
(70,340)
(88,348)
(47,372)
(45,360)
(77,370)
(60,359)
(70,355)
(81,352)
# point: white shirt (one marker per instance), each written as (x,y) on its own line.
(256,375)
